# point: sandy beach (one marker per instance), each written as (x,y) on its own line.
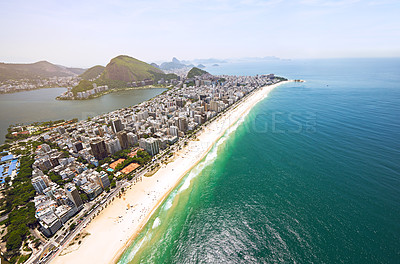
(117,225)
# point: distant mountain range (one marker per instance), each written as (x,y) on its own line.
(213,62)
(37,70)
(208,61)
(122,68)
(172,65)
(255,59)
(177,64)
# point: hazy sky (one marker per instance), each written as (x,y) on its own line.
(85,33)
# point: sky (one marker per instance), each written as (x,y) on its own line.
(86,33)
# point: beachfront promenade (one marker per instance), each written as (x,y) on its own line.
(116,226)
(165,136)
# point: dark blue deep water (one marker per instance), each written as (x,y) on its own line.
(312,175)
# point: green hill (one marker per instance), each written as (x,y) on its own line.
(195,72)
(41,69)
(122,70)
(92,73)
(83,85)
(128,69)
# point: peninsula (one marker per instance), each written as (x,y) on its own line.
(122,72)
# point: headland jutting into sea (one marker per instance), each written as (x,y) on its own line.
(162,138)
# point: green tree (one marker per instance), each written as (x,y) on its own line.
(14,241)
(84,197)
(113,184)
(56,178)
(110,176)
(72,226)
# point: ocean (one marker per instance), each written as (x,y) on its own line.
(310,175)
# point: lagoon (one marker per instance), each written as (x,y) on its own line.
(41,105)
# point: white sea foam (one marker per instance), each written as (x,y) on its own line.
(185,185)
(156,223)
(168,203)
(210,157)
(132,252)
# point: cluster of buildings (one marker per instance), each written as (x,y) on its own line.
(181,73)
(155,124)
(56,204)
(140,83)
(151,82)
(11,86)
(152,126)
(85,94)
(173,81)
(69,94)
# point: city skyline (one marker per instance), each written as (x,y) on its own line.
(90,33)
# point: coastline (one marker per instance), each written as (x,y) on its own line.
(117,225)
(34,89)
(111,91)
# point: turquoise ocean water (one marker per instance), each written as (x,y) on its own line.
(311,175)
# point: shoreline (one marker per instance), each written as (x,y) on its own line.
(28,90)
(112,90)
(114,229)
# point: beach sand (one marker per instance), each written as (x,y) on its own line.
(118,224)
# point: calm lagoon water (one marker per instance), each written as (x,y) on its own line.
(41,105)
